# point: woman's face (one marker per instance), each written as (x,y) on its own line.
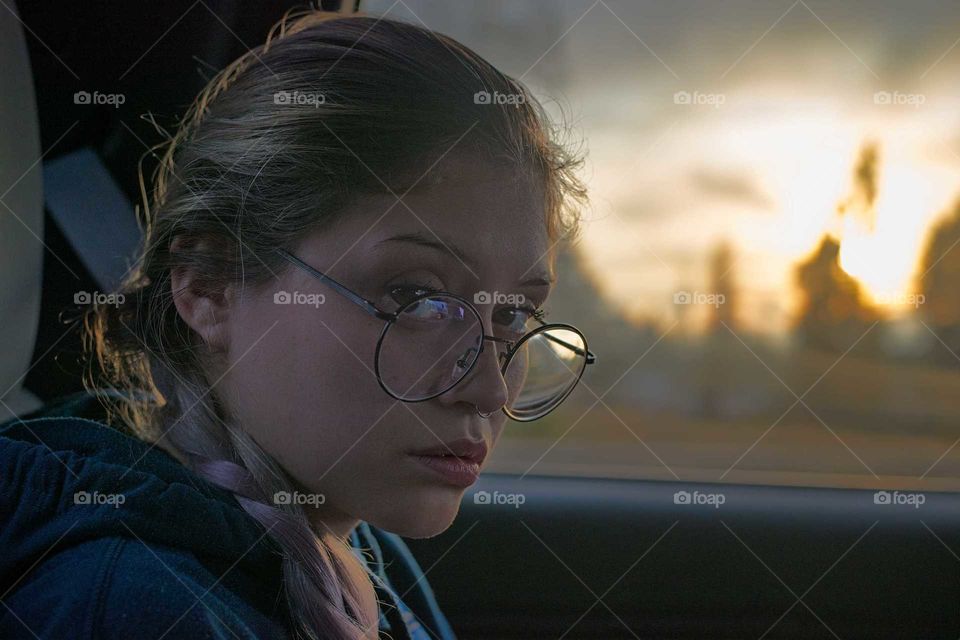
(299,377)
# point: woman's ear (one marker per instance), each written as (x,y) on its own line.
(205,311)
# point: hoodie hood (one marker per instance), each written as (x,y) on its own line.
(63,478)
(67,478)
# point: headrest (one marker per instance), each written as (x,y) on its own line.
(21,220)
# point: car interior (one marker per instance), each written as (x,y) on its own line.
(639,535)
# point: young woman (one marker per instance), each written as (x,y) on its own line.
(337,305)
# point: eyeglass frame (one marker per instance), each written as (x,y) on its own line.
(390,317)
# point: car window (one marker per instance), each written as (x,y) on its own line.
(768,270)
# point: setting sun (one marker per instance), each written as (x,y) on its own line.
(771,181)
(885,258)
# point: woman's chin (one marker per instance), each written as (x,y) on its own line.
(425,517)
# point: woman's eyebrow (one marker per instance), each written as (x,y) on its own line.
(539,281)
(544,280)
(423,241)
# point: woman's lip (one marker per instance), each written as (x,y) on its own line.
(459,472)
(472,450)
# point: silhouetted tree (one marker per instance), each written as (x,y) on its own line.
(833,314)
(862,199)
(721,346)
(723,283)
(939,282)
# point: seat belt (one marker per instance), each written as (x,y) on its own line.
(93,214)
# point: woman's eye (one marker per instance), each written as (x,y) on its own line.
(404,293)
(515,319)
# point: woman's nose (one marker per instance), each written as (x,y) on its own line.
(484,387)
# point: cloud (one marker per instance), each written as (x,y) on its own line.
(731,186)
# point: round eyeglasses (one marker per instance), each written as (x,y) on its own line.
(433,341)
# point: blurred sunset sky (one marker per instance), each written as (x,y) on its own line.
(783,97)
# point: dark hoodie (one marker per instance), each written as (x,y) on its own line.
(105,537)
